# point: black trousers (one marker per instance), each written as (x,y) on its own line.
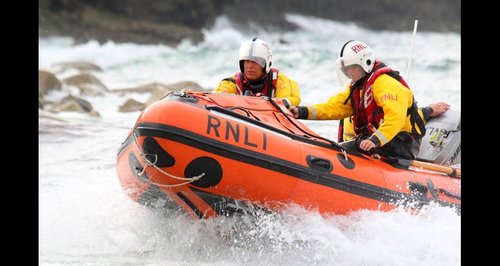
(403,145)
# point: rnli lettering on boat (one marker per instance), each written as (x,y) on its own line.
(239,133)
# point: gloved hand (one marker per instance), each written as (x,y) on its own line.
(438,108)
(286,103)
(300,112)
(294,111)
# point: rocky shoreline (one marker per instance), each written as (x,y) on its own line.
(170,21)
(58,92)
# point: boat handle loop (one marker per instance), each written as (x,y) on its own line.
(153,164)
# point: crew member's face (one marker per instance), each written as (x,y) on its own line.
(253,71)
(354,72)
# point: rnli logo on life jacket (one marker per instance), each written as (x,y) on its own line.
(234,132)
(388,96)
(358,47)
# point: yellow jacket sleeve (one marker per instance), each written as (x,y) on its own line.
(395,99)
(334,108)
(227,86)
(288,89)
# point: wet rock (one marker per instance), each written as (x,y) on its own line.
(146,21)
(47,82)
(40,102)
(68,106)
(184,85)
(82,66)
(190,85)
(171,21)
(157,95)
(131,105)
(156,87)
(87,84)
(72,103)
(84,104)
(147,88)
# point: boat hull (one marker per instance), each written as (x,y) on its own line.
(211,161)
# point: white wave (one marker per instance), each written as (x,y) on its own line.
(325,26)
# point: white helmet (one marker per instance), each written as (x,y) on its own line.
(354,53)
(258,51)
(357,53)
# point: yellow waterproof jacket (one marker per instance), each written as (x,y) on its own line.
(348,130)
(388,93)
(285,88)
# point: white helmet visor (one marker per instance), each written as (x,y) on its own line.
(342,76)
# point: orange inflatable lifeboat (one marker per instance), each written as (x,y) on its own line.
(211,153)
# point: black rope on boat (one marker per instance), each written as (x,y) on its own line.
(449,194)
(244,110)
(305,132)
(147,163)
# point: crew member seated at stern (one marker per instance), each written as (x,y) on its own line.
(386,118)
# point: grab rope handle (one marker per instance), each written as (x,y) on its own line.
(153,164)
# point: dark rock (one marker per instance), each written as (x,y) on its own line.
(47,82)
(155,86)
(145,21)
(81,66)
(170,21)
(440,16)
(131,105)
(87,84)
(84,105)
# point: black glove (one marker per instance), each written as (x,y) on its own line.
(285,103)
(303,112)
(427,111)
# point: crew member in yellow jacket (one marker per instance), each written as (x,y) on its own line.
(386,118)
(346,127)
(257,77)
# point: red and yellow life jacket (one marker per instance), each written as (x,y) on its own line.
(268,88)
(367,114)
